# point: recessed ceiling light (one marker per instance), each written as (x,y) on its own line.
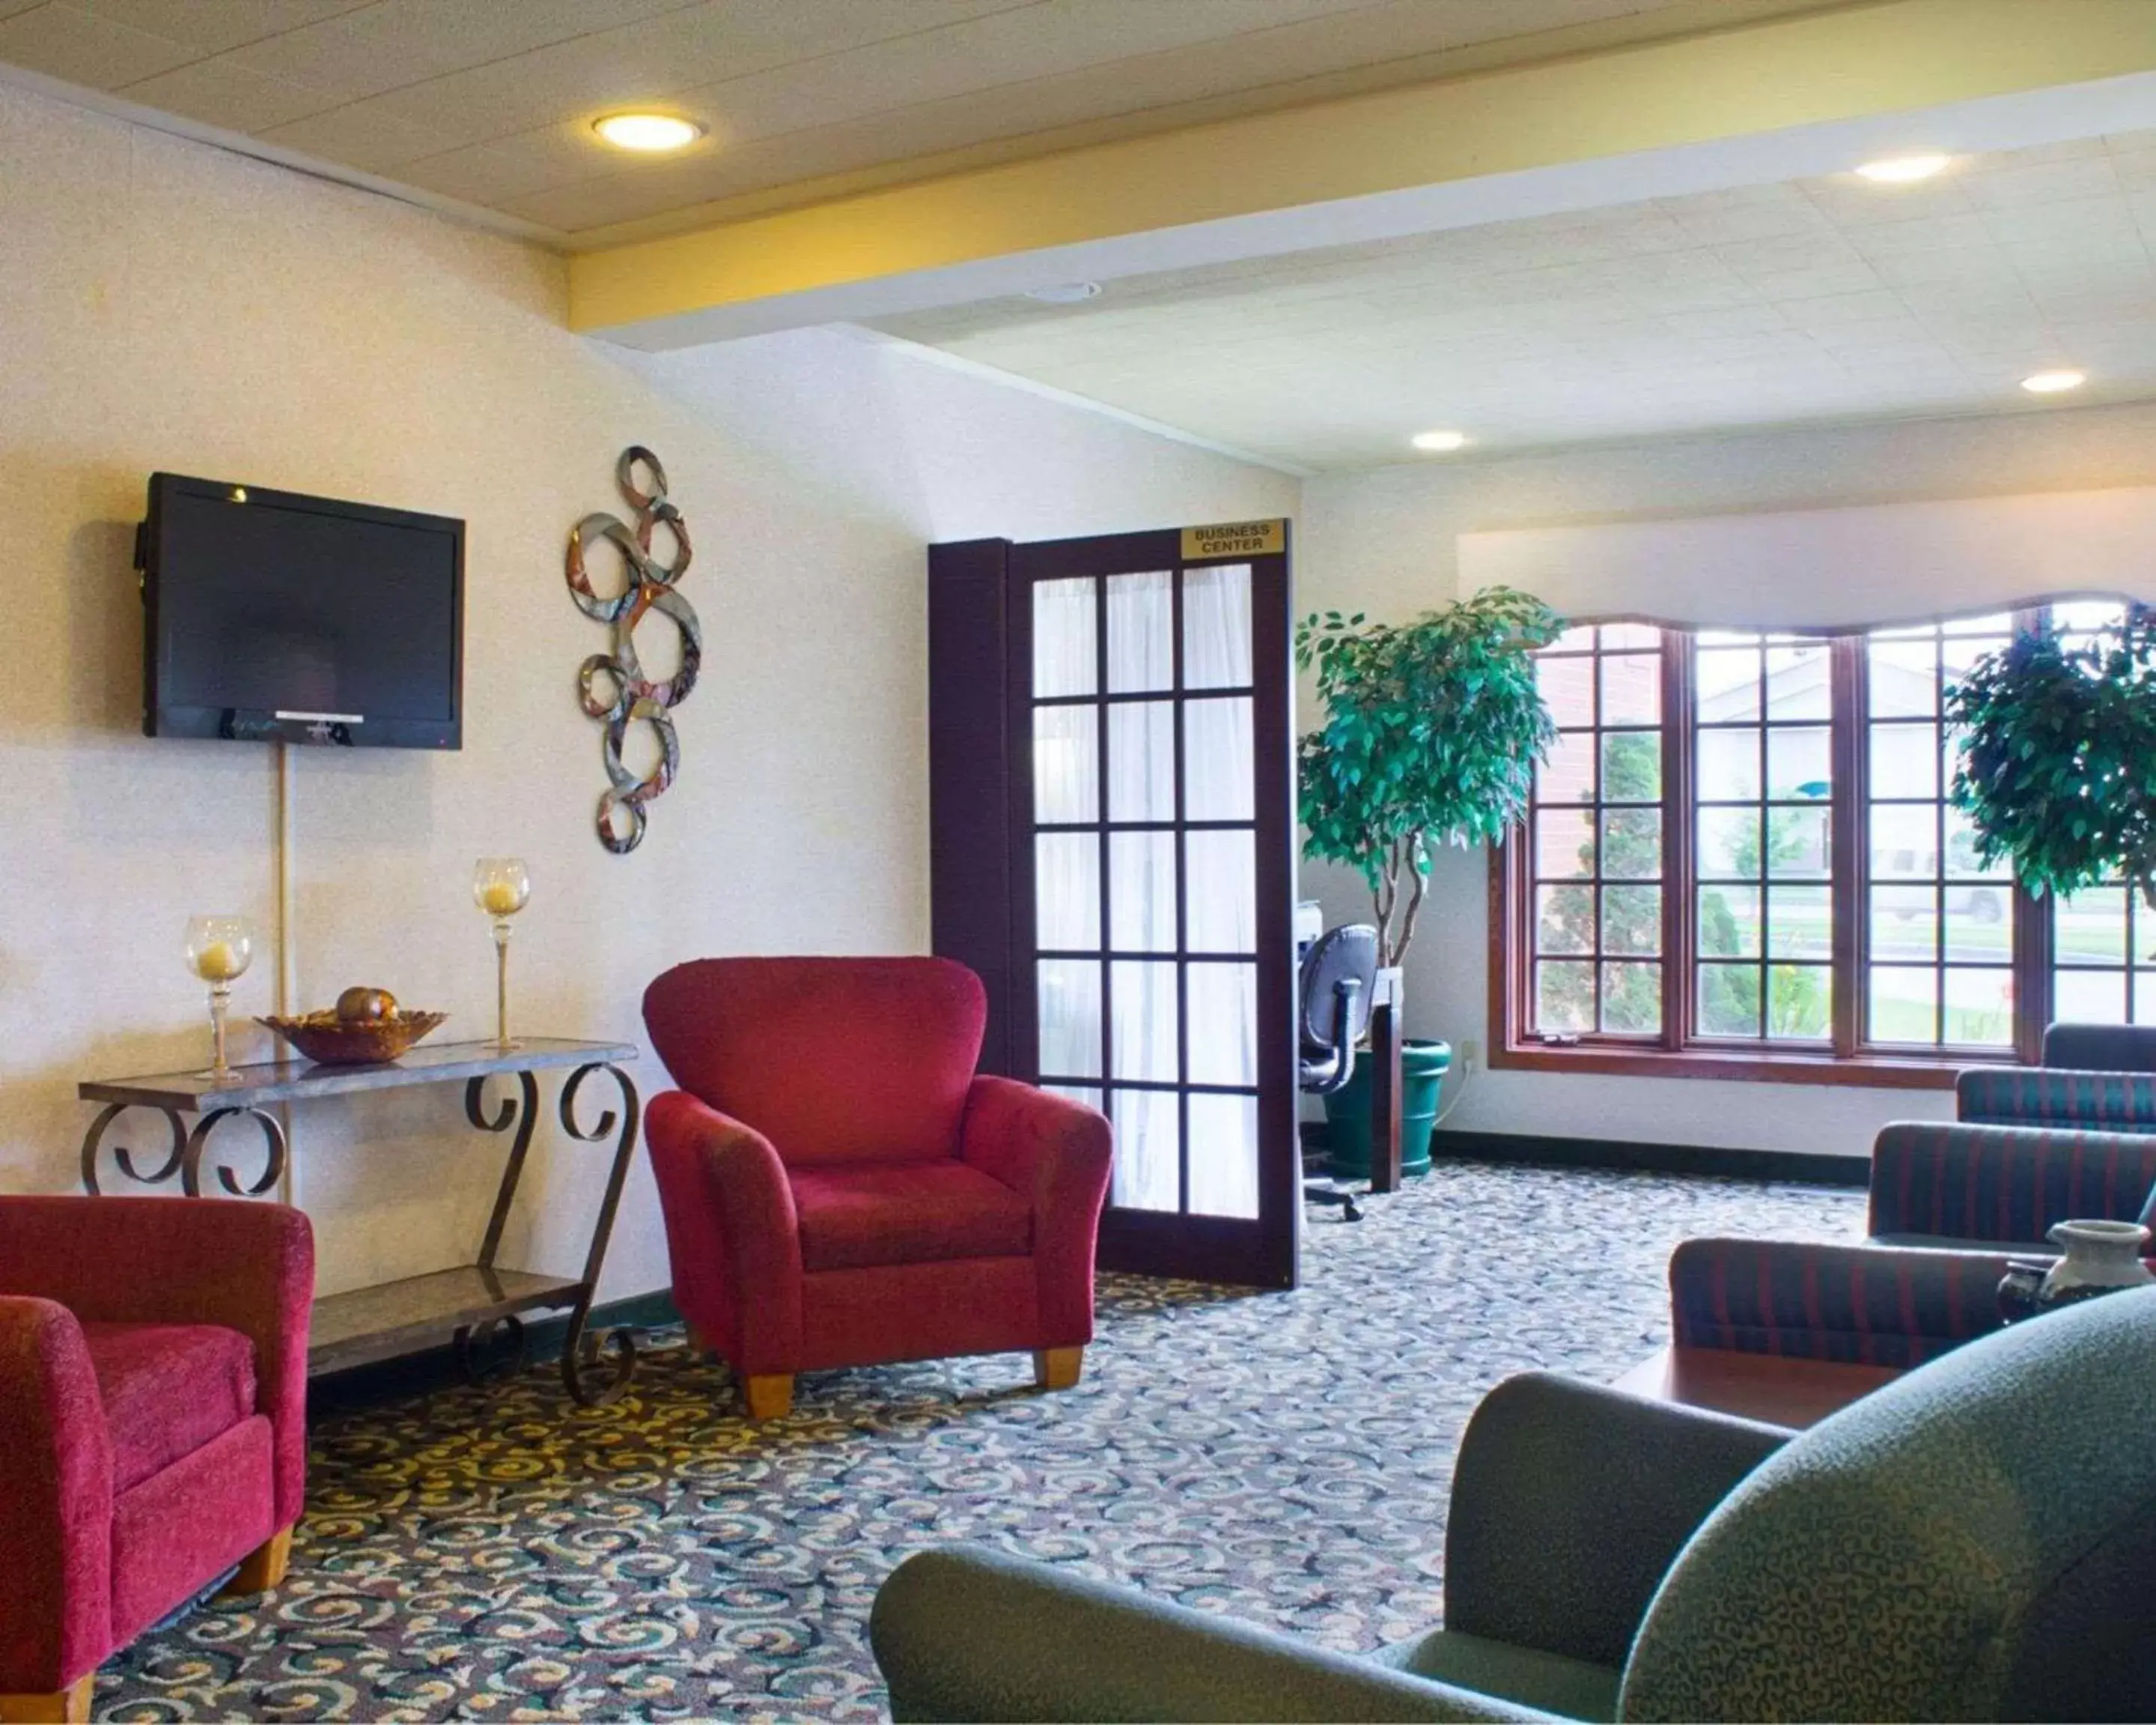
(2054,382)
(1066,293)
(1902,170)
(1440,443)
(652,132)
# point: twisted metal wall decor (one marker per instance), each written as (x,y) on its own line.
(649,586)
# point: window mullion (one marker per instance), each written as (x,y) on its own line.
(1678,965)
(1845,810)
(2032,937)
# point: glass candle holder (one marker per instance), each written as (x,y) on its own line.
(219,949)
(501,888)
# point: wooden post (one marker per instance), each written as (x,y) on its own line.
(1385,1006)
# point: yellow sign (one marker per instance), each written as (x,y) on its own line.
(1235,539)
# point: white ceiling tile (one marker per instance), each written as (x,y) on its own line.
(2042,182)
(393,43)
(1851,275)
(218,93)
(360,137)
(214,26)
(63,41)
(1833,310)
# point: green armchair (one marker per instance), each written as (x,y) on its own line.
(1967,1542)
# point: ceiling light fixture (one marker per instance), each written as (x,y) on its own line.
(1066,293)
(1902,170)
(1440,443)
(652,133)
(2054,382)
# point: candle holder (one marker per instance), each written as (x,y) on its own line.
(501,887)
(219,949)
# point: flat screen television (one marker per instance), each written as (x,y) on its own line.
(268,616)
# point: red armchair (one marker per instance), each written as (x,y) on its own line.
(153,1383)
(840,1189)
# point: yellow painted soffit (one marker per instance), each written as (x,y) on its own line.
(1815,68)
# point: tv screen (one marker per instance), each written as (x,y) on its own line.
(271,616)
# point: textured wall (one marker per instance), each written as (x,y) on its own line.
(163,305)
(1386,541)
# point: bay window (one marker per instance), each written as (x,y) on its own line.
(1741,861)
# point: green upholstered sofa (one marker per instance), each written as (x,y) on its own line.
(1968,1543)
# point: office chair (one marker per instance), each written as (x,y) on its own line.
(1339,977)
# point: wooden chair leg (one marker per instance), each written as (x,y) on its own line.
(62,1707)
(262,1569)
(1057,1367)
(697,1345)
(770,1397)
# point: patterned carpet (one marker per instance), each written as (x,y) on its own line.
(1283,1458)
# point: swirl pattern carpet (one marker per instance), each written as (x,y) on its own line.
(501,1554)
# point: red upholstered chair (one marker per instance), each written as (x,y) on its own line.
(153,1431)
(840,1189)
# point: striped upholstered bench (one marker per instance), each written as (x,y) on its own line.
(1858,1305)
(1988,1187)
(2058,1096)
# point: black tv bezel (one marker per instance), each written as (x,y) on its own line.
(259,725)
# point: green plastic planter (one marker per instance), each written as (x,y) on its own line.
(1423,1067)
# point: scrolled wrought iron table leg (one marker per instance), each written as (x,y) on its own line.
(273,1165)
(474,1343)
(92,1140)
(581,1353)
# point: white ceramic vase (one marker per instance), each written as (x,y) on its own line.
(2099,1257)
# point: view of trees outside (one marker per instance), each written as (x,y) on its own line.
(2103,940)
(1763,767)
(1599,834)
(1940,926)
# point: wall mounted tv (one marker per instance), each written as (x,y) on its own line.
(271,616)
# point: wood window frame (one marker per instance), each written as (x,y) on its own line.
(1847,1060)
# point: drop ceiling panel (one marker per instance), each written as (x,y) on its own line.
(1825,300)
(490,101)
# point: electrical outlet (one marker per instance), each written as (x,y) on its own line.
(1470,1056)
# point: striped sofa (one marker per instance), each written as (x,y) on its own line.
(1951,1203)
(1946,1185)
(1860,1305)
(2094,1078)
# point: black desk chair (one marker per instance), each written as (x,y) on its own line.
(1339,979)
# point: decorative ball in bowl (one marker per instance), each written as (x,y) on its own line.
(365,1027)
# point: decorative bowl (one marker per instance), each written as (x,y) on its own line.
(328,1040)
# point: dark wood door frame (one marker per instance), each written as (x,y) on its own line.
(982,890)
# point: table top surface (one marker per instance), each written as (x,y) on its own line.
(1771,1387)
(294,1080)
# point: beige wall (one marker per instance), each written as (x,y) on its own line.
(1387,542)
(163,305)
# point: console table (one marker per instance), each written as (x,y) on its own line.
(469,1306)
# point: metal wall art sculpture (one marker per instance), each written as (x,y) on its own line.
(613,686)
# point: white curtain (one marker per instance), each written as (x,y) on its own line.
(1214,869)
(1064,660)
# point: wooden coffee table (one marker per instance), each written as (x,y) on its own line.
(1770,1388)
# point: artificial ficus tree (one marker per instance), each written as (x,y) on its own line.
(1433,729)
(2058,770)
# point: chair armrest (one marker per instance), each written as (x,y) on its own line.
(1893,1305)
(1057,1154)
(2006,1183)
(2056,1096)
(732,1234)
(1570,1503)
(248,1267)
(966,1633)
(56,1509)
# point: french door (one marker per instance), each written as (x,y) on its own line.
(1135,916)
